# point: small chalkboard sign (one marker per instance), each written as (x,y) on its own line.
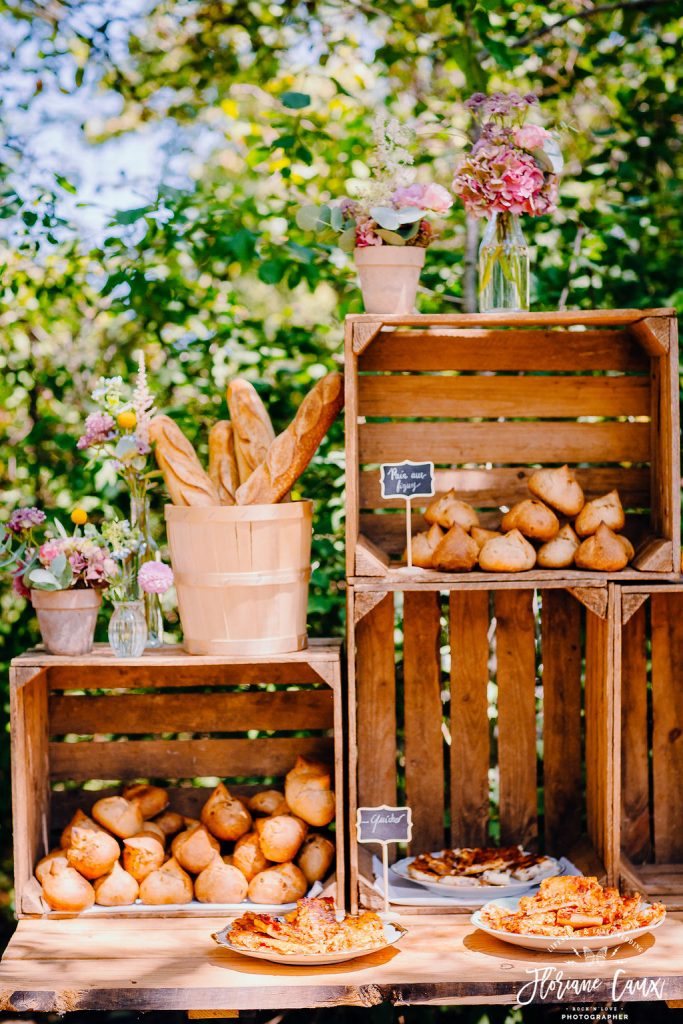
(384,825)
(407,480)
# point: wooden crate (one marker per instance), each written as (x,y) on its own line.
(650,620)
(409,715)
(489,397)
(168,717)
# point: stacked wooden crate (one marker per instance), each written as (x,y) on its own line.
(487,398)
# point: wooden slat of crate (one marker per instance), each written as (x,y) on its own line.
(666,611)
(469,725)
(666,445)
(635,785)
(376,694)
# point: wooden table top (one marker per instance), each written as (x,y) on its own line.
(160,964)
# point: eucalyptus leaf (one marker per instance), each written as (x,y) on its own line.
(408,231)
(347,239)
(409,214)
(336,218)
(308,218)
(43,579)
(386,217)
(391,237)
(60,529)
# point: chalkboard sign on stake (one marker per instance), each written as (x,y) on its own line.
(407,480)
(384,825)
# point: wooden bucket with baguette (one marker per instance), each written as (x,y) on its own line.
(241,575)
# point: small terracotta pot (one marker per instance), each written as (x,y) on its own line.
(389,276)
(67,619)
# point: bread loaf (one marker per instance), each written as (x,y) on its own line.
(185,478)
(293,449)
(252,429)
(223,470)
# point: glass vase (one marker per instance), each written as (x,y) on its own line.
(128,629)
(140,518)
(503,265)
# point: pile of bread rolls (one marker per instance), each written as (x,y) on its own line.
(134,848)
(248,464)
(554,529)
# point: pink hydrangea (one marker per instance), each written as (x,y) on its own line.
(365,234)
(408,195)
(426,197)
(155,577)
(503,179)
(530,136)
(49,550)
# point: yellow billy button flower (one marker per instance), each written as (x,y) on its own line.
(126,420)
(79,517)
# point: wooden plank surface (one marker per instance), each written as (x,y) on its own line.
(516,678)
(562,762)
(281,711)
(666,616)
(62,966)
(602,743)
(423,716)
(470,743)
(665,467)
(636,840)
(488,397)
(376,706)
(510,442)
(350,448)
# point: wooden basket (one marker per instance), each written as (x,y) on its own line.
(409,715)
(487,397)
(81,726)
(241,575)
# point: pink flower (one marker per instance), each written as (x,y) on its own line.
(99,427)
(436,198)
(408,195)
(501,178)
(155,577)
(365,235)
(23,519)
(18,585)
(530,136)
(49,550)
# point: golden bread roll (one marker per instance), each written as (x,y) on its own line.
(151,800)
(280,837)
(170,822)
(224,815)
(92,852)
(559,552)
(66,889)
(223,471)
(293,449)
(43,865)
(558,488)
(118,888)
(448,509)
(142,855)
(510,553)
(308,793)
(82,821)
(606,509)
(315,857)
(602,551)
(151,828)
(628,547)
(456,552)
(168,884)
(479,535)
(119,815)
(284,883)
(268,801)
(220,883)
(194,849)
(532,518)
(249,857)
(185,479)
(252,430)
(422,546)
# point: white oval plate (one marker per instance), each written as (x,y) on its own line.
(474,893)
(557,943)
(392,933)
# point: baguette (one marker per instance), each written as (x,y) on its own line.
(185,478)
(252,429)
(223,469)
(293,449)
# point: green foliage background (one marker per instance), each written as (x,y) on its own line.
(267,105)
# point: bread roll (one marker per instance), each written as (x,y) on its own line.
(194,849)
(118,888)
(293,449)
(220,883)
(223,471)
(602,551)
(606,509)
(479,535)
(170,822)
(66,889)
(82,821)
(185,479)
(422,546)
(151,828)
(626,543)
(151,800)
(253,431)
(447,510)
(456,552)
(510,553)
(315,857)
(308,794)
(43,865)
(168,884)
(559,552)
(284,883)
(119,815)
(268,801)
(558,488)
(532,518)
(249,857)
(280,837)
(142,855)
(224,815)
(92,852)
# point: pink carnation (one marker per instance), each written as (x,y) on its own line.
(365,235)
(49,550)
(437,198)
(155,577)
(530,136)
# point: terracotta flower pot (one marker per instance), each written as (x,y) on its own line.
(389,276)
(67,619)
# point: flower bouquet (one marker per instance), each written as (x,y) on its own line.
(385,223)
(512,169)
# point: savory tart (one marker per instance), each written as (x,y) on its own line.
(488,865)
(311,928)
